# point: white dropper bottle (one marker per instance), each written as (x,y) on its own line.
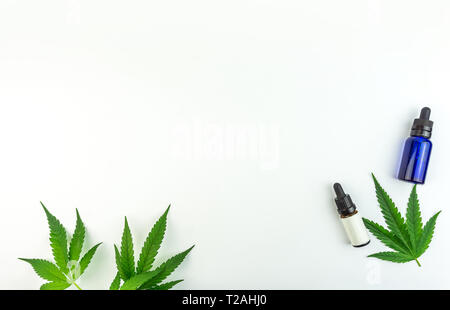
(351,219)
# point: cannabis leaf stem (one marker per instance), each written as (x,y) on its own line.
(76,285)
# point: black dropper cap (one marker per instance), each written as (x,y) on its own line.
(422,126)
(344,203)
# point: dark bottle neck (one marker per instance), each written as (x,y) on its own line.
(343,216)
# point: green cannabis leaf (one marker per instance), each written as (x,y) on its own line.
(166,286)
(58,240)
(136,281)
(127,253)
(165,269)
(77,239)
(152,244)
(141,277)
(68,267)
(409,239)
(115,285)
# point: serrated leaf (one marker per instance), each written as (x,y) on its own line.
(166,268)
(84,262)
(393,257)
(55,286)
(76,244)
(46,270)
(418,238)
(427,235)
(136,281)
(394,220)
(152,244)
(413,219)
(58,240)
(115,284)
(166,286)
(127,253)
(385,236)
(119,264)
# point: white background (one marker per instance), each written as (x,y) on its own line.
(239,113)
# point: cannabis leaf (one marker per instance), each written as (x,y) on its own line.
(119,266)
(58,240)
(136,281)
(166,286)
(45,269)
(77,239)
(409,239)
(115,285)
(166,268)
(68,267)
(141,277)
(84,262)
(152,244)
(127,253)
(58,285)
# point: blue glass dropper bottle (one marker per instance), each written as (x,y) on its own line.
(417,150)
